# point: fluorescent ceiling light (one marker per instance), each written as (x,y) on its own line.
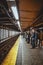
(41,28)
(19,25)
(10,0)
(15,12)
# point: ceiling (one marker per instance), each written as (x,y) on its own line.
(30,13)
(7,19)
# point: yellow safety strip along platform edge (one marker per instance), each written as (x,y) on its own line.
(12,55)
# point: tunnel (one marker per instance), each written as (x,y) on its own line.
(21,32)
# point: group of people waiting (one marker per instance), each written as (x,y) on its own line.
(33,38)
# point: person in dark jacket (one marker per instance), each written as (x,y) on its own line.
(33,38)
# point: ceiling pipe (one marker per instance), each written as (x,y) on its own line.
(39,16)
(34,22)
(2,6)
(7,18)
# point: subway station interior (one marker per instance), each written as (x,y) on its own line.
(21,32)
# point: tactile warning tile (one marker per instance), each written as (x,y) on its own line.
(12,55)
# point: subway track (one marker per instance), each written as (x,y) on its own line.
(5,47)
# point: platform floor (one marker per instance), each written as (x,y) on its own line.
(28,56)
(24,55)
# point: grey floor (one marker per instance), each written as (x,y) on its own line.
(28,56)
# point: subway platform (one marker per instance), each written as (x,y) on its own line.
(22,54)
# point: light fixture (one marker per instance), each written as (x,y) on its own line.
(19,25)
(15,12)
(10,0)
(41,28)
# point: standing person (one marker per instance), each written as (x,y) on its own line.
(29,37)
(26,36)
(33,38)
(36,38)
